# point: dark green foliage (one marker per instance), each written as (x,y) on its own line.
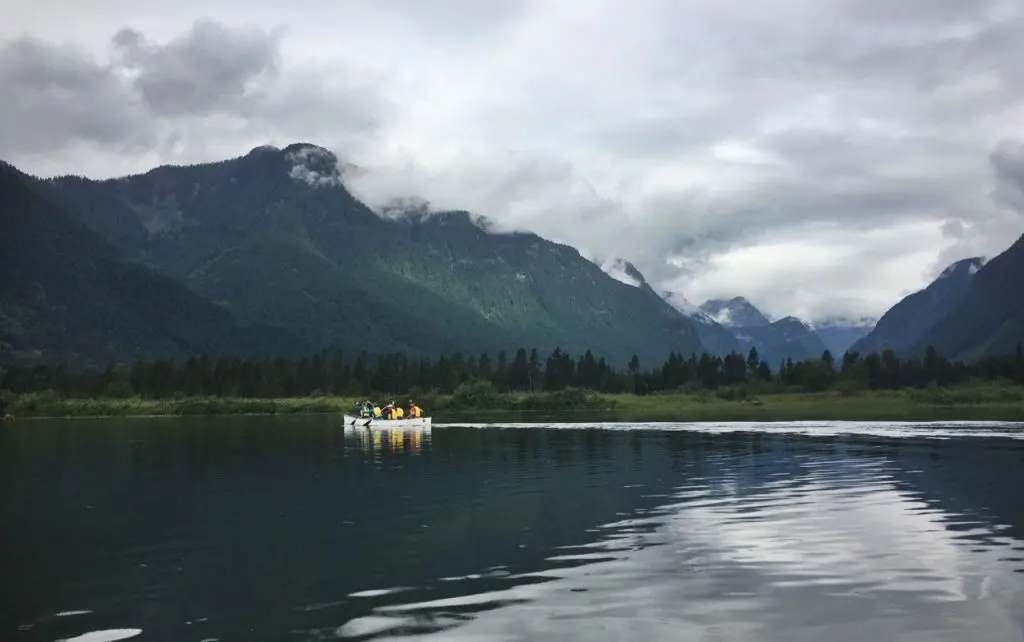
(570,397)
(566,380)
(275,250)
(67,296)
(477,393)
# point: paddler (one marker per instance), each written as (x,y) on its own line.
(414,411)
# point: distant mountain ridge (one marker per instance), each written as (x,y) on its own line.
(736,312)
(274,237)
(732,325)
(987,319)
(787,338)
(268,253)
(776,341)
(839,334)
(716,338)
(910,318)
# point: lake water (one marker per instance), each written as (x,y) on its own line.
(290,529)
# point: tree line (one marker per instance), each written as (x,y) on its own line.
(526,371)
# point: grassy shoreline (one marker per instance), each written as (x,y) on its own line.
(991,402)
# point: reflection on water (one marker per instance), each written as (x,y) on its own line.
(271,529)
(374,441)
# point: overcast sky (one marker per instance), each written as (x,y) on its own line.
(821,157)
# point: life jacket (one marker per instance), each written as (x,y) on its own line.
(414,411)
(399,412)
(376,411)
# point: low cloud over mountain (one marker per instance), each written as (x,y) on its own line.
(824,157)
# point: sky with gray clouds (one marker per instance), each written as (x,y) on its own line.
(821,157)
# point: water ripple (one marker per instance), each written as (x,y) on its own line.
(741,531)
(895,429)
(841,546)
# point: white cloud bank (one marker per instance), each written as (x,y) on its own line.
(820,157)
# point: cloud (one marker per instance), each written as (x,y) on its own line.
(1008,161)
(194,97)
(208,69)
(57,94)
(314,166)
(988,235)
(851,147)
(853,267)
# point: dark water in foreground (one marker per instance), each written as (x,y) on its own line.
(287,529)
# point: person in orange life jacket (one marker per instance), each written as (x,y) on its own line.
(414,411)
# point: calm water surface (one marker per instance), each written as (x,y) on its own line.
(290,529)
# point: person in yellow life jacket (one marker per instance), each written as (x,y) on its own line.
(397,412)
(376,411)
(414,410)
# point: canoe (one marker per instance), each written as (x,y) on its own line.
(418,423)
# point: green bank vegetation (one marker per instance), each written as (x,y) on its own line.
(479,400)
(732,387)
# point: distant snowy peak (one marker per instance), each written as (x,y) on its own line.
(736,312)
(793,324)
(683,305)
(624,271)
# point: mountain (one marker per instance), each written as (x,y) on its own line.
(907,321)
(736,325)
(739,325)
(775,340)
(713,337)
(67,296)
(624,272)
(839,334)
(734,312)
(788,337)
(987,319)
(275,237)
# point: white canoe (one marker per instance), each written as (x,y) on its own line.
(418,423)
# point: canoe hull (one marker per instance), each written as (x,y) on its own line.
(370,423)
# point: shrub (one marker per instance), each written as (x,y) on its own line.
(476,394)
(567,399)
(732,393)
(849,388)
